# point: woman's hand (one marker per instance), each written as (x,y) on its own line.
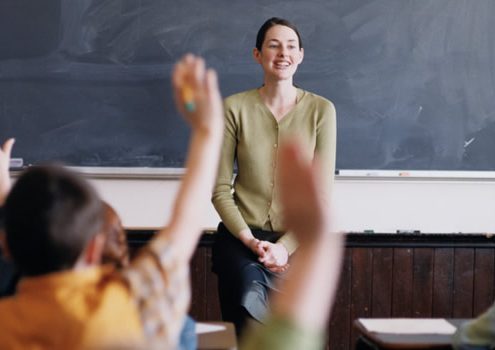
(274,256)
(252,243)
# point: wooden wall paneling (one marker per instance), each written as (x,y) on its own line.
(212,301)
(381,305)
(198,285)
(396,276)
(484,261)
(422,282)
(340,321)
(463,283)
(443,282)
(361,286)
(402,282)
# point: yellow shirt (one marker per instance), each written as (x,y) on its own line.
(82,309)
(251,139)
(141,307)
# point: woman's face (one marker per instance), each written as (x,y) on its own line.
(280,54)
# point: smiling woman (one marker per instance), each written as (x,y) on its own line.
(252,248)
(279,54)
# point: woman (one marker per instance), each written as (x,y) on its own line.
(252,248)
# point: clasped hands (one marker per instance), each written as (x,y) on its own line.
(274,256)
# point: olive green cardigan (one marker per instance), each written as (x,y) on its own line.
(251,139)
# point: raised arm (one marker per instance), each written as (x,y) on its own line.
(325,150)
(206,121)
(300,312)
(159,276)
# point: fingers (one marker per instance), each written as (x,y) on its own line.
(197,95)
(303,193)
(7,147)
(177,83)
(274,255)
(278,269)
(188,76)
(298,174)
(260,251)
(268,258)
(212,88)
(256,247)
(191,71)
(5,182)
(291,170)
(198,78)
(264,252)
(293,167)
(180,71)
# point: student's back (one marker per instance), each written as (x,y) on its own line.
(70,310)
(62,302)
(99,305)
(50,216)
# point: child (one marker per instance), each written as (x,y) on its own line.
(53,220)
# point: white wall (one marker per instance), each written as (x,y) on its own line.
(379,204)
(430,206)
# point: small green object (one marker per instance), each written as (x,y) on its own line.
(190,106)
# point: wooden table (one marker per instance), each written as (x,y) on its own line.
(220,340)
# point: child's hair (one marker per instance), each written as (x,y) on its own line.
(50,215)
(115,250)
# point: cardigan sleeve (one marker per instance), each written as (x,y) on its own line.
(223,194)
(326,142)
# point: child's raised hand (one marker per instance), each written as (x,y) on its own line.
(196,93)
(304,209)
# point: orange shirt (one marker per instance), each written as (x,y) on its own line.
(79,309)
(143,304)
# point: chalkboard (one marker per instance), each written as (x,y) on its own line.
(88,82)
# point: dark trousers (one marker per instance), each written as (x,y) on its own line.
(238,270)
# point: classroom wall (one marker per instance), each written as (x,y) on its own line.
(382,205)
